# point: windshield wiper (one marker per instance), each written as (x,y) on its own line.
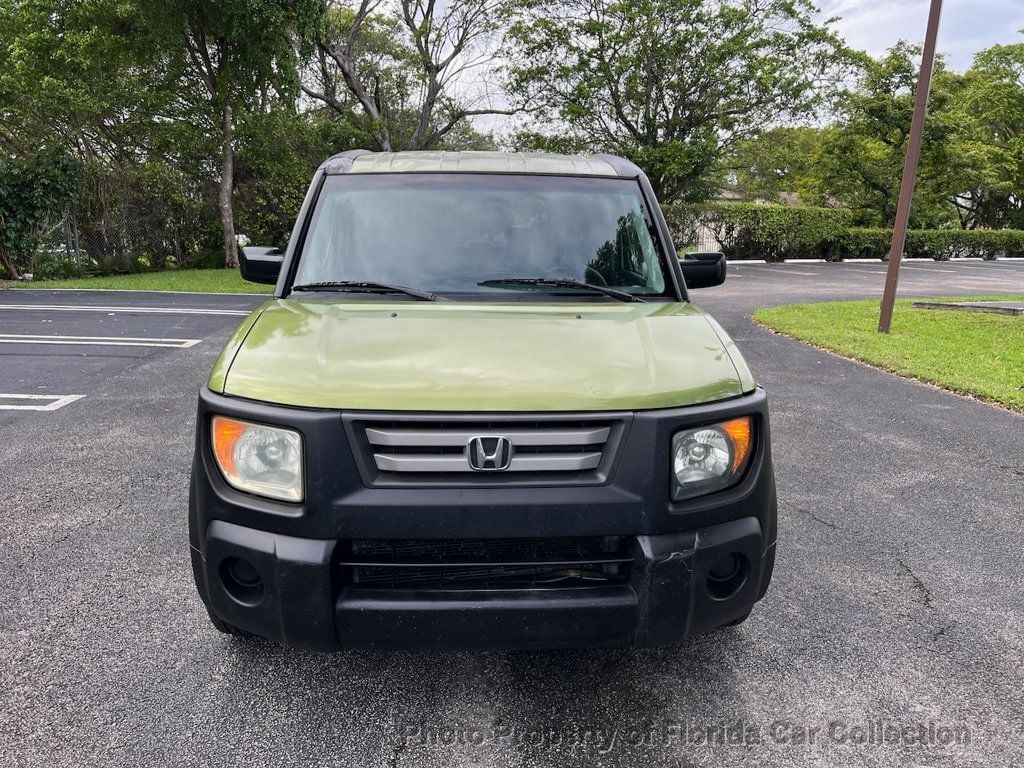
(561,282)
(366,287)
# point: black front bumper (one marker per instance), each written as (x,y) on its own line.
(306,597)
(665,601)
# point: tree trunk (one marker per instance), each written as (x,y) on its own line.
(383,139)
(8,264)
(419,136)
(226,187)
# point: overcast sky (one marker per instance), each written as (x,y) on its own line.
(968,26)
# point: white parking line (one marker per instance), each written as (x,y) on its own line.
(102,341)
(778,268)
(982,281)
(992,268)
(58,401)
(131,310)
(872,268)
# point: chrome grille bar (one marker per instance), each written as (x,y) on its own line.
(444,438)
(544,448)
(533,462)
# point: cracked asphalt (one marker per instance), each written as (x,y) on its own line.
(892,635)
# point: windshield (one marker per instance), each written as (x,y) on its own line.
(448,233)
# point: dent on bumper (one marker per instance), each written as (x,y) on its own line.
(302,603)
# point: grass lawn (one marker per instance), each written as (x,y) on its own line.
(972,353)
(196,280)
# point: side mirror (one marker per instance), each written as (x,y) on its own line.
(703,270)
(261,265)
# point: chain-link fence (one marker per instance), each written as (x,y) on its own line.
(128,223)
(694,232)
(705,237)
(58,253)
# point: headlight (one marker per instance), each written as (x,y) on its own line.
(710,458)
(263,460)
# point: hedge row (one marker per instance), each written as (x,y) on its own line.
(778,232)
(937,244)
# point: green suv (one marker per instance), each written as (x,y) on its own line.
(480,411)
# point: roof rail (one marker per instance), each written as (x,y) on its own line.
(342,162)
(622,166)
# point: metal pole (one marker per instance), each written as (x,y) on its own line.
(899,233)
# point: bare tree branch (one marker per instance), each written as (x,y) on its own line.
(417,88)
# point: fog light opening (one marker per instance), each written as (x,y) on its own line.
(727,576)
(241,580)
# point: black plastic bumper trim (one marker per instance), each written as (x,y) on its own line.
(304,603)
(399,619)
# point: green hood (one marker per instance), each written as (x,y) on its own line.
(480,357)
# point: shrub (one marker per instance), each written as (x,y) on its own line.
(770,232)
(55,267)
(778,232)
(937,244)
(992,243)
(865,243)
(34,193)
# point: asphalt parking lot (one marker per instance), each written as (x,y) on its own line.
(897,598)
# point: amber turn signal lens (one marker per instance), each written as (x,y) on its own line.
(226,433)
(740,432)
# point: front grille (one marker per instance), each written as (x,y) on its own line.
(550,563)
(551,449)
(505,549)
(506,451)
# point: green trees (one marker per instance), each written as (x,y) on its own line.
(860,160)
(187,120)
(34,191)
(225,58)
(972,164)
(72,96)
(779,162)
(70,76)
(671,84)
(992,104)
(179,109)
(276,153)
